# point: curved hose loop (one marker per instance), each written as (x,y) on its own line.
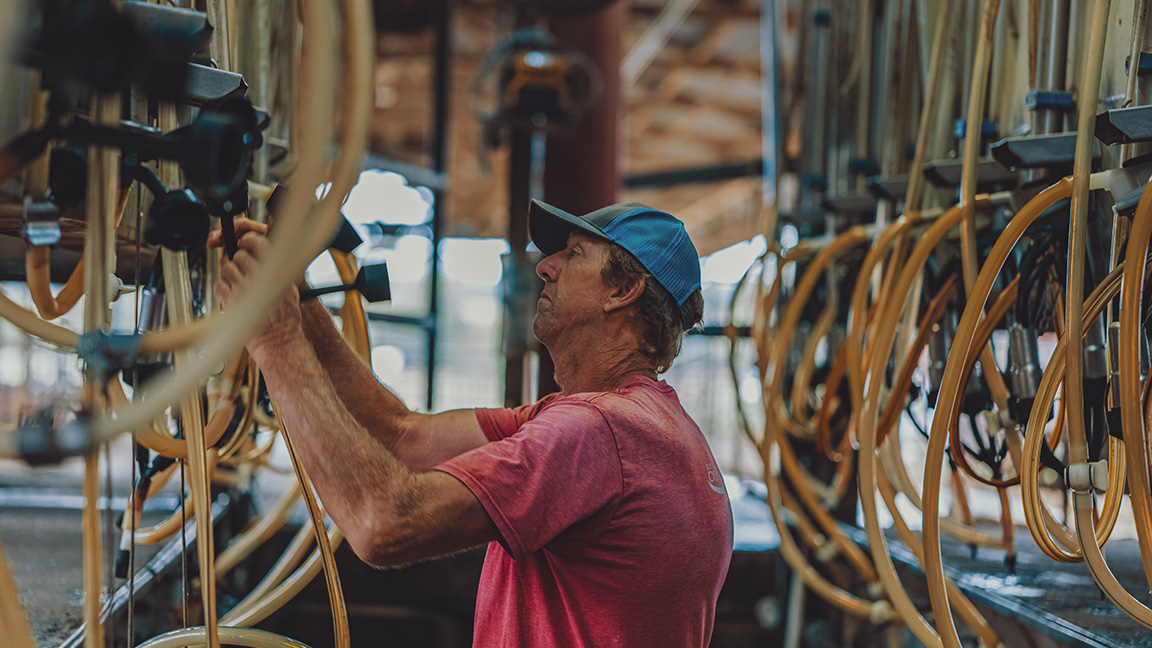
(1035,515)
(936,309)
(869,417)
(791,317)
(254,610)
(13,616)
(791,553)
(969,176)
(244,544)
(950,384)
(890,455)
(860,317)
(38,276)
(828,405)
(1083,501)
(331,574)
(284,261)
(730,332)
(158,440)
(964,606)
(982,337)
(768,305)
(800,481)
(1132,421)
(1042,519)
(802,380)
(197,636)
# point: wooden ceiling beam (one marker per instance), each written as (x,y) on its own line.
(654,39)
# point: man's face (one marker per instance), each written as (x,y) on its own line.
(574,291)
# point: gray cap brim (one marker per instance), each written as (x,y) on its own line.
(550,226)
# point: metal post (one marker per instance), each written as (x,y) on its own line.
(769,103)
(582,167)
(515,324)
(439,155)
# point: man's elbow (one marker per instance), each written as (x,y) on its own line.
(384,542)
(383,553)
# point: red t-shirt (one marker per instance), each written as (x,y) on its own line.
(616,527)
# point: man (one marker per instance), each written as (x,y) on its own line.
(606,519)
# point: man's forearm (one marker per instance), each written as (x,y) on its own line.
(370,403)
(352,473)
(390,514)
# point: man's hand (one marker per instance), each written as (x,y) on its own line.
(283,323)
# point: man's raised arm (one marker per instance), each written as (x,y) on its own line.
(390,514)
(419,441)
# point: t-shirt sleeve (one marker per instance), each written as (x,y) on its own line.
(497,423)
(503,422)
(557,469)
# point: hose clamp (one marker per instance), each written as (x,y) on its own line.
(41,223)
(1099,475)
(1078,477)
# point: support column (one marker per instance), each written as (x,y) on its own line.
(582,169)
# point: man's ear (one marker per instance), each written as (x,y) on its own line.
(624,294)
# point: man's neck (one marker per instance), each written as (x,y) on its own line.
(599,363)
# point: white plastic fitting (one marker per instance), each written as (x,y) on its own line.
(117,289)
(881,612)
(827,552)
(1005,418)
(876,590)
(992,421)
(1100,475)
(1079,477)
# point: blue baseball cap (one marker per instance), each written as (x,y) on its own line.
(657,239)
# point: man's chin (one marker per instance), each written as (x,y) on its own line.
(538,331)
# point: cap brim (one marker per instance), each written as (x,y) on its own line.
(549,226)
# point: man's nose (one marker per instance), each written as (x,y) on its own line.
(548,268)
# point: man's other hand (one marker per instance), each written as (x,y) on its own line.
(282,325)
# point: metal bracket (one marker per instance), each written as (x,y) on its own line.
(210,84)
(1145,63)
(41,223)
(1124,125)
(947,172)
(892,188)
(41,441)
(1044,100)
(104,354)
(960,128)
(1033,151)
(850,203)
